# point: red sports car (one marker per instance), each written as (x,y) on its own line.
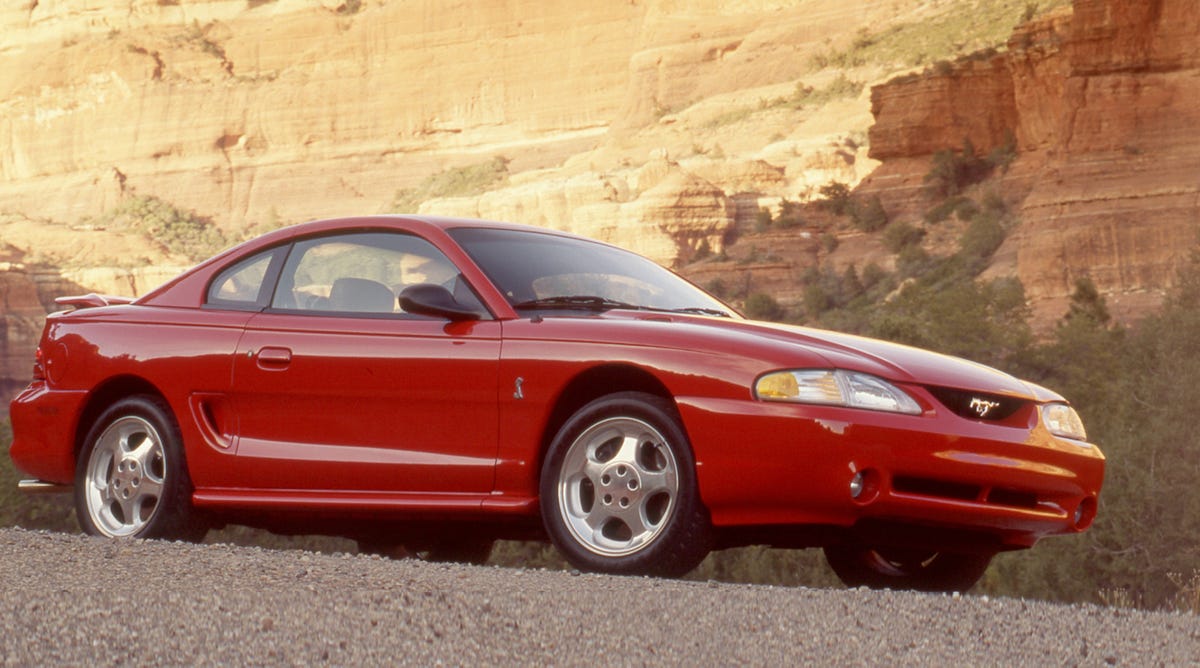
(438,384)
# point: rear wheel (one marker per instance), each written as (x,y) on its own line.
(131,479)
(618,489)
(906,568)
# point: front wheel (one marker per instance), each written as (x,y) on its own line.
(618,489)
(131,480)
(906,568)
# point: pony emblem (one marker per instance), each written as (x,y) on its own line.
(982,406)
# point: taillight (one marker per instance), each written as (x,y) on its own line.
(39,365)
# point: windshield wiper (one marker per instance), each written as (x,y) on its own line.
(594,303)
(587,302)
(700,310)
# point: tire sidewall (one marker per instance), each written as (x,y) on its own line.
(683,543)
(947,571)
(173,515)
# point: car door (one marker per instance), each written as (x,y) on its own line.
(337,389)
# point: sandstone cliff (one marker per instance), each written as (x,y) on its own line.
(661,125)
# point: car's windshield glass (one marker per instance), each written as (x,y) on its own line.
(538,271)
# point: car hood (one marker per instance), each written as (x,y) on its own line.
(893,361)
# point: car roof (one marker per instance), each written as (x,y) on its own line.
(188,288)
(407,220)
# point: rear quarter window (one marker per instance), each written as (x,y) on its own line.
(243,285)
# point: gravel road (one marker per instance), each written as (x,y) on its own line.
(76,600)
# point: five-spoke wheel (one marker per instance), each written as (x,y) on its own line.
(124,476)
(617,486)
(619,491)
(130,479)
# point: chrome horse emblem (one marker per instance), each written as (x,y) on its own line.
(982,406)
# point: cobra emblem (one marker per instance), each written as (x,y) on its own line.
(982,406)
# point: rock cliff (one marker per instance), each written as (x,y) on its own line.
(1103,102)
(661,125)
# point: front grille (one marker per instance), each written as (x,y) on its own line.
(938,488)
(1012,497)
(977,405)
(960,491)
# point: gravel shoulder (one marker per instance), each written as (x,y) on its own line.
(78,600)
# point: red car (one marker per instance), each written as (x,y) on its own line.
(440,384)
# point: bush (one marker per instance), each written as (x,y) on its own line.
(981,239)
(952,171)
(789,215)
(835,198)
(838,89)
(869,215)
(1003,155)
(873,275)
(762,219)
(945,209)
(456,182)
(717,288)
(181,232)
(762,306)
(899,236)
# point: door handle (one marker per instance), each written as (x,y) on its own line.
(274,358)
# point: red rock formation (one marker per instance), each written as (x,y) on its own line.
(1104,103)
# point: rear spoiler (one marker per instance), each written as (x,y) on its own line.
(92,300)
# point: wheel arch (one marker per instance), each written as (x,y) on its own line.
(105,395)
(592,384)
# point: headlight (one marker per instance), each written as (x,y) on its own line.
(1062,420)
(835,387)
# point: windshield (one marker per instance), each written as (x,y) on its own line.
(546,271)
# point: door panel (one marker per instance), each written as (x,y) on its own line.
(367,404)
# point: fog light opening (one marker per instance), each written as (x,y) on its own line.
(1085,513)
(864,486)
(858,484)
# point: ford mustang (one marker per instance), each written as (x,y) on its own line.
(433,385)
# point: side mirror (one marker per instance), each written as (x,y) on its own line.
(436,301)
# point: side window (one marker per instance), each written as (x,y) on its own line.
(244,284)
(363,272)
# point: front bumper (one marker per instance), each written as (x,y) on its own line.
(761,463)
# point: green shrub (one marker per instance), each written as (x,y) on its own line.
(869,215)
(1003,155)
(901,235)
(838,89)
(789,215)
(945,209)
(762,219)
(835,197)
(186,233)
(981,239)
(464,181)
(952,171)
(717,288)
(762,306)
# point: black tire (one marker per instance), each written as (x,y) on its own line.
(906,568)
(618,489)
(131,478)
